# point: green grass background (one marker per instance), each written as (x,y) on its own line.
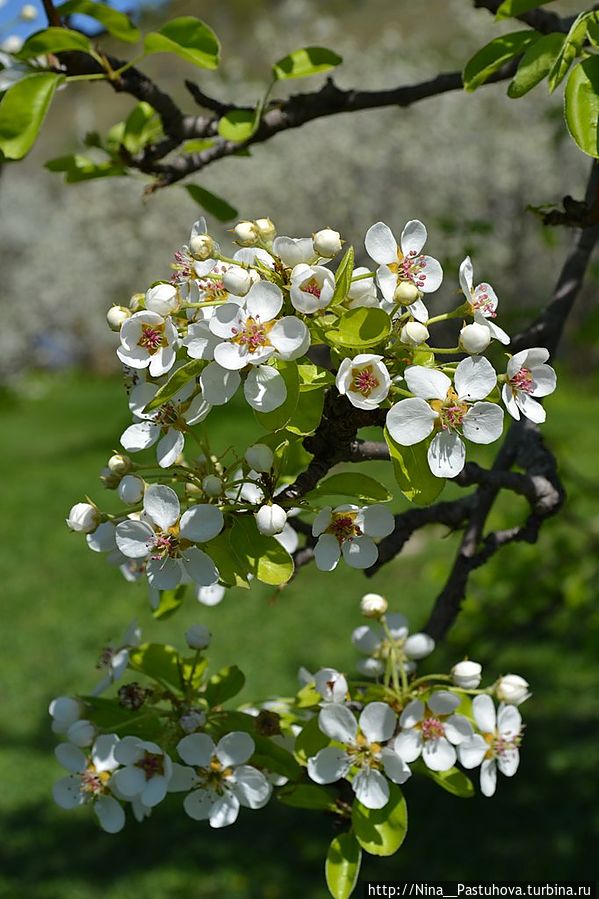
(533,610)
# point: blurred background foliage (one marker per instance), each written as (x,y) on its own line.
(468,166)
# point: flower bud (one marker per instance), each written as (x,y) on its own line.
(259,457)
(466,674)
(406,293)
(237,280)
(136,303)
(131,489)
(110,480)
(201,246)
(197,636)
(373,605)
(28,13)
(413,334)
(246,233)
(192,720)
(266,229)
(212,595)
(512,689)
(270,519)
(327,243)
(83,518)
(119,464)
(212,485)
(116,316)
(12,43)
(370,667)
(331,685)
(162,299)
(475,338)
(81,733)
(417,646)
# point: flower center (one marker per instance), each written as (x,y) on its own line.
(432,729)
(500,745)
(105,658)
(523,380)
(451,411)
(152,764)
(182,268)
(343,526)
(364,380)
(312,286)
(167,545)
(482,302)
(253,335)
(94,782)
(152,338)
(214,776)
(410,268)
(168,415)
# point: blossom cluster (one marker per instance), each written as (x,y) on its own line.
(246,322)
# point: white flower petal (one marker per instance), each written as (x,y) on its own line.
(366,639)
(545,380)
(251,787)
(182,779)
(110,814)
(329,765)
(378,521)
(71,757)
(471,752)
(466,277)
(446,454)
(161,503)
(474,378)
(102,540)
(371,788)
(200,567)
(154,791)
(140,436)
(509,721)
(201,523)
(413,238)
(395,767)
(224,811)
(326,552)
(488,777)
(418,646)
(134,539)
(290,337)
(67,792)
(438,755)
(508,762)
(226,320)
(360,552)
(264,301)
(442,702)
(337,722)
(218,384)
(412,714)
(410,421)
(377,722)
(235,748)
(128,751)
(427,383)
(530,408)
(265,389)
(431,273)
(196,749)
(483,709)
(170,448)
(129,781)
(457,729)
(387,281)
(199,804)
(380,243)
(483,423)
(408,745)
(510,401)
(164,574)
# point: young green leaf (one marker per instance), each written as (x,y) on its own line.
(213,205)
(308,412)
(511,8)
(412,472)
(571,48)
(343,277)
(381,831)
(264,556)
(54,40)
(115,23)
(581,105)
(490,58)
(360,328)
(23,110)
(310,740)
(79,168)
(179,379)
(304,62)
(313,796)
(109,715)
(357,485)
(278,418)
(238,125)
(233,570)
(536,64)
(170,602)
(158,661)
(223,685)
(342,865)
(187,37)
(142,126)
(453,780)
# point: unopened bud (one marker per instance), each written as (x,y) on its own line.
(259,457)
(162,299)
(192,720)
(406,293)
(119,464)
(116,316)
(131,489)
(270,519)
(327,243)
(266,229)
(413,334)
(197,636)
(237,280)
(373,605)
(466,674)
(370,667)
(28,13)
(475,338)
(83,518)
(212,485)
(201,246)
(137,302)
(512,689)
(246,233)
(212,595)
(418,646)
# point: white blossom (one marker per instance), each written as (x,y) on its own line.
(466,674)
(373,605)
(114,658)
(497,746)
(131,489)
(483,302)
(91,781)
(198,636)
(362,291)
(259,457)
(312,288)
(432,730)
(294,251)
(327,243)
(364,379)
(414,334)
(83,518)
(331,685)
(512,689)
(374,641)
(270,519)
(528,376)
(211,595)
(349,531)
(474,338)
(145,773)
(148,341)
(162,299)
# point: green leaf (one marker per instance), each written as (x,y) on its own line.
(381,831)
(238,125)
(511,8)
(453,780)
(278,418)
(308,412)
(54,40)
(179,379)
(142,126)
(232,570)
(342,865)
(343,277)
(360,486)
(310,740)
(109,715)
(571,48)
(197,145)
(189,38)
(593,30)
(313,796)
(158,661)
(581,105)
(360,328)
(535,64)
(116,23)
(213,205)
(494,55)
(265,558)
(274,757)
(304,62)
(78,168)
(223,685)
(23,110)
(312,377)
(412,471)
(170,602)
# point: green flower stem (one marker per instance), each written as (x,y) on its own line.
(457,313)
(446,350)
(392,658)
(362,277)
(97,76)
(203,305)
